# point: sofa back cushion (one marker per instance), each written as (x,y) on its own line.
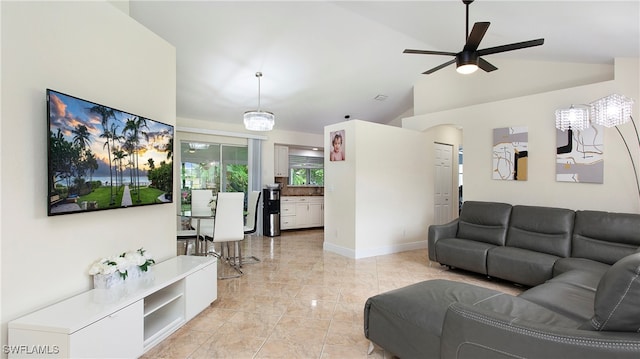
(617,300)
(541,229)
(484,221)
(605,237)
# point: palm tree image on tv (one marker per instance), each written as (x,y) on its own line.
(102,158)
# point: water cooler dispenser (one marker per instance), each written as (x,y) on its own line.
(271,212)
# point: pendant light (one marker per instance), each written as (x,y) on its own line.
(257,120)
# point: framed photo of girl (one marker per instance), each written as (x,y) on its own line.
(337,145)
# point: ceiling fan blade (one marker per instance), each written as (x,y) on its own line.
(428,52)
(510,47)
(485,65)
(476,35)
(439,67)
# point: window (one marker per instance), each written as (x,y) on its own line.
(306,167)
(222,168)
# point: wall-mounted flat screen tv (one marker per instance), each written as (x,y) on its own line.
(101,158)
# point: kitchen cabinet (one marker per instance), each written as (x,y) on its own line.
(120,322)
(301,212)
(281,157)
(287,212)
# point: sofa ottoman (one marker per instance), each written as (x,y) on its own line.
(407,322)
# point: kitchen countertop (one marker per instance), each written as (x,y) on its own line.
(286,190)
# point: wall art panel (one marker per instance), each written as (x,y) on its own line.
(510,153)
(580,155)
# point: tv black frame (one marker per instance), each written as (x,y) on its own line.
(77,132)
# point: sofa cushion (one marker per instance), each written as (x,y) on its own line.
(541,229)
(579,278)
(605,237)
(463,253)
(484,221)
(617,299)
(564,265)
(572,301)
(520,265)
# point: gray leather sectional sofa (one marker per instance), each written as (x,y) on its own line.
(582,267)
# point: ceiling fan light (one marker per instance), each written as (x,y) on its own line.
(467,69)
(466,62)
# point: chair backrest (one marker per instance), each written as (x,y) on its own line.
(200,199)
(252,212)
(229,218)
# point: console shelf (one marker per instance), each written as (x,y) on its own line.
(124,321)
(162,298)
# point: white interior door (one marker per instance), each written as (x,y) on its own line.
(443,212)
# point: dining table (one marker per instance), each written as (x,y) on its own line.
(201,247)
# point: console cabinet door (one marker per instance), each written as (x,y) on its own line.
(201,290)
(119,335)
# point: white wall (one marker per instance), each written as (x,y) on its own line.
(374,200)
(94,51)
(340,192)
(446,89)
(618,193)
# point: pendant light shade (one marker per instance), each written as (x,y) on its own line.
(612,110)
(573,118)
(257,120)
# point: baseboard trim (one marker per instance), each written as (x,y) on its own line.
(372,252)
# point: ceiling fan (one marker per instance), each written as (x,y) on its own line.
(468,60)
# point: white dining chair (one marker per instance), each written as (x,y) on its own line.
(228,229)
(200,199)
(251,222)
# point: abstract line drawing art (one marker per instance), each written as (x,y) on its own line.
(510,153)
(580,155)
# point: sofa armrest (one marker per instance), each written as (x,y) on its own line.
(439,231)
(474,332)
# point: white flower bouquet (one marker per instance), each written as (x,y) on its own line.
(122,263)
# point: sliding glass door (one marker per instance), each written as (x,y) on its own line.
(215,166)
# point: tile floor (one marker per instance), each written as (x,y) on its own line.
(300,302)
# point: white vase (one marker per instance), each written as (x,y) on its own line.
(106,281)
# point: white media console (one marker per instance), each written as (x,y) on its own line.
(120,322)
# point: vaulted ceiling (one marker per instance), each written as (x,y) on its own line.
(323,60)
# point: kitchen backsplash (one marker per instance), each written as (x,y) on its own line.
(287,190)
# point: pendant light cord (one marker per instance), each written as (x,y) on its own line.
(258,75)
